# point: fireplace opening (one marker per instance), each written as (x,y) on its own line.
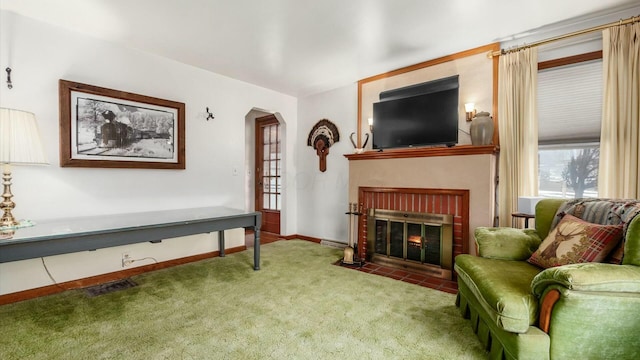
(419,241)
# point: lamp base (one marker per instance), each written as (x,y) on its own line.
(7,204)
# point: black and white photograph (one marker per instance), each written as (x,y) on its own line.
(118,130)
(109,128)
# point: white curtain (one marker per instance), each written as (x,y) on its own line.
(518,128)
(619,169)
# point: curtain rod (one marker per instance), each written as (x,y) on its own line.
(630,20)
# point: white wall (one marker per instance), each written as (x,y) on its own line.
(39,55)
(323,196)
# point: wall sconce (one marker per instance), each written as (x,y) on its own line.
(469,108)
(370,121)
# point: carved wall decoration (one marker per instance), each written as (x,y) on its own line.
(322,136)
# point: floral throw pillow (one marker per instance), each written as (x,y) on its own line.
(576,241)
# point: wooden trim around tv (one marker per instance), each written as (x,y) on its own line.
(105,278)
(494,106)
(475,51)
(425,152)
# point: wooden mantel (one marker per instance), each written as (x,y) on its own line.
(425,152)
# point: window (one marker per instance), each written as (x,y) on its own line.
(271,177)
(569,112)
(568,171)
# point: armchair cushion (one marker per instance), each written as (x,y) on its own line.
(506,243)
(591,277)
(576,241)
(503,289)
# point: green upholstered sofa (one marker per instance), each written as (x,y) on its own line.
(576,311)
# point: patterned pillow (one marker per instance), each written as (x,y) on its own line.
(576,241)
(616,255)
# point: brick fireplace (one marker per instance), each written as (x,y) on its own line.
(460,181)
(451,202)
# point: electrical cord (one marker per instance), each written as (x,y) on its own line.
(50,276)
(129,262)
(55,282)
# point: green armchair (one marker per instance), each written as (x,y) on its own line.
(587,310)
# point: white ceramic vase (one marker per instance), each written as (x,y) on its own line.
(481,129)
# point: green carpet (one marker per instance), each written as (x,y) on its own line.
(299,306)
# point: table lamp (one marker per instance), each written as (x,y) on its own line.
(20,144)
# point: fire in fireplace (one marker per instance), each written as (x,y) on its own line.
(419,241)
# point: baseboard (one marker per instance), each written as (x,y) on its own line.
(285,237)
(332,243)
(105,278)
(302,237)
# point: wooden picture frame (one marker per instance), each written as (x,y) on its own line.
(107,128)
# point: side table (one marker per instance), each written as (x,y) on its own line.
(518,215)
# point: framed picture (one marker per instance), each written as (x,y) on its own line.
(108,128)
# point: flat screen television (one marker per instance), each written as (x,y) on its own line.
(422,115)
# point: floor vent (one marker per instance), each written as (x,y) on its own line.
(110,287)
(333,244)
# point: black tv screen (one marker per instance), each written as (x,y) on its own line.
(419,120)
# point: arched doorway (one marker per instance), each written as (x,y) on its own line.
(279,177)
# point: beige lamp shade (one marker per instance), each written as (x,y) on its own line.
(20,141)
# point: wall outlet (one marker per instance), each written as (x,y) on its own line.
(126,259)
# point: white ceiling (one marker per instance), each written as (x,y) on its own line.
(301,47)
